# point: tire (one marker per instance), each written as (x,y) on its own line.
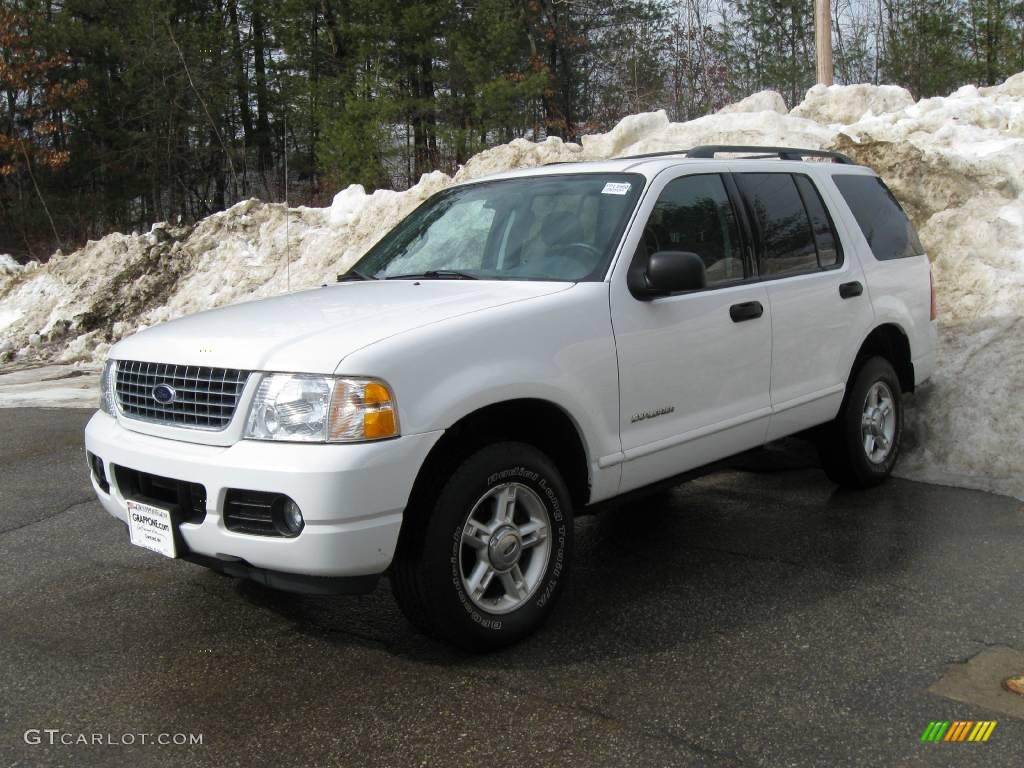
(489,561)
(861,446)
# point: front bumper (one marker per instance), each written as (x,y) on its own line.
(352,497)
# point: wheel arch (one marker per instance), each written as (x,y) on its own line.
(891,342)
(535,421)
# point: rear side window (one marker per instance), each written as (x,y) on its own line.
(829,254)
(880,217)
(787,240)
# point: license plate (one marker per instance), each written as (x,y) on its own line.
(151,527)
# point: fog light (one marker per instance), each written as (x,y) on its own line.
(288,517)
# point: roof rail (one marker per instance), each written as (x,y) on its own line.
(783,153)
(665,153)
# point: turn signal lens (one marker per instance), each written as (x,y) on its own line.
(362,409)
(378,424)
(375,392)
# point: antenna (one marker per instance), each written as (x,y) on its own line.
(287,211)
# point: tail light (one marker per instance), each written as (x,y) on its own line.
(931,286)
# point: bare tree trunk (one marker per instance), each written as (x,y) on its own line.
(39,194)
(424,116)
(262,134)
(241,81)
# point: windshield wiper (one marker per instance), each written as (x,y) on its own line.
(353,274)
(437,274)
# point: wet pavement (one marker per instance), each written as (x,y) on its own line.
(753,617)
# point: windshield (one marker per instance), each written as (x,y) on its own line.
(561,227)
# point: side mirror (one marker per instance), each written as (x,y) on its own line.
(669,272)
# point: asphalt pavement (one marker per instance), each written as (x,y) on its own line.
(755,617)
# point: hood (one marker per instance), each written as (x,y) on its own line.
(313,331)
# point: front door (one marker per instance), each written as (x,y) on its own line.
(694,367)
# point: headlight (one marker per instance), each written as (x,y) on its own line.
(304,408)
(107,381)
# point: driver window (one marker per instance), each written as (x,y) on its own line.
(694,214)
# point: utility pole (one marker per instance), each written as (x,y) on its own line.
(287,212)
(823,40)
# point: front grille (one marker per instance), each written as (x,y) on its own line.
(204,398)
(188,498)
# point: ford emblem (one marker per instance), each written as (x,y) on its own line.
(164,394)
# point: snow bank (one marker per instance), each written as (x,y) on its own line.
(74,307)
(956,162)
(845,104)
(762,101)
(520,153)
(51,386)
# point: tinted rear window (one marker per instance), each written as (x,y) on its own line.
(883,222)
(825,238)
(786,237)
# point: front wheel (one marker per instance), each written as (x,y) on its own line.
(860,448)
(494,553)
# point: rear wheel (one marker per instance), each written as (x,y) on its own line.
(860,448)
(494,552)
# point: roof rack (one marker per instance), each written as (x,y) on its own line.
(709,151)
(666,153)
(783,153)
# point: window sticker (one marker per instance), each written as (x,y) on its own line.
(616,188)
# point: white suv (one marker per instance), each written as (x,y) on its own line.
(518,349)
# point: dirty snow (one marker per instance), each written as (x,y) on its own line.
(846,104)
(51,386)
(956,162)
(762,101)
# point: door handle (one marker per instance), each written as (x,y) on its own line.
(849,290)
(748,310)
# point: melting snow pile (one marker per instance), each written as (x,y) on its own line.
(957,164)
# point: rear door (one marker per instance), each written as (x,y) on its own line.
(820,307)
(895,264)
(693,367)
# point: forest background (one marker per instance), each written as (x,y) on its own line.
(115,114)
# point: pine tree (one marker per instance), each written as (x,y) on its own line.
(925,46)
(37,89)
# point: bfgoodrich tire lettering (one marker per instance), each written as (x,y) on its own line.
(495,553)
